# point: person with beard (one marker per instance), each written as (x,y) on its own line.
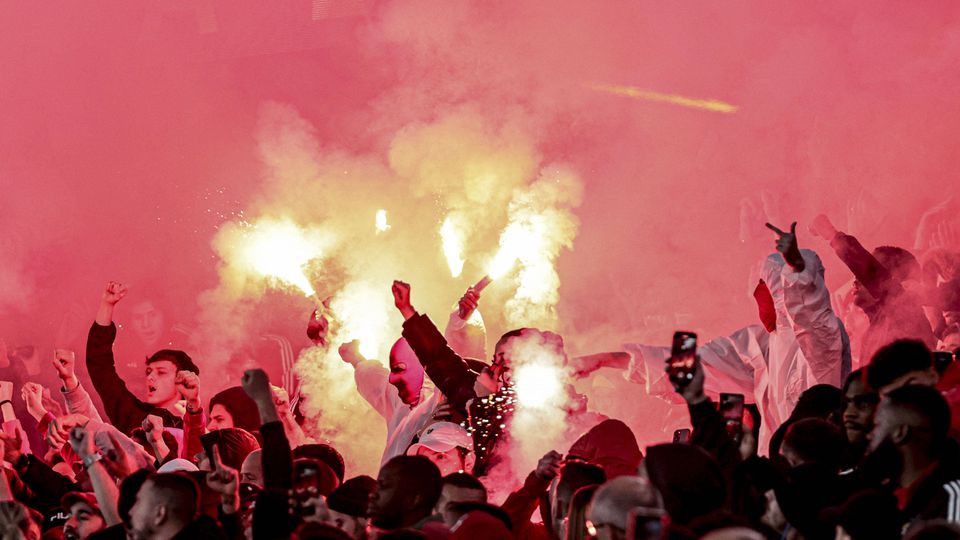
(85,516)
(910,436)
(408,488)
(908,361)
(168,374)
(859,406)
(166,508)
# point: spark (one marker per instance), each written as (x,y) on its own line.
(713,105)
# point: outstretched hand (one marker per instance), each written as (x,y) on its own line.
(549,465)
(822,227)
(788,247)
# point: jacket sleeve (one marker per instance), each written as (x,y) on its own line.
(710,433)
(729,363)
(522,503)
(79,402)
(448,371)
(45,483)
(124,410)
(277,457)
(865,267)
(193,428)
(373,384)
(818,330)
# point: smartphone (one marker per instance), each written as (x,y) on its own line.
(731,409)
(683,358)
(645,524)
(681,435)
(942,360)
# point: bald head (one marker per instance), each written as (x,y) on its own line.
(615,499)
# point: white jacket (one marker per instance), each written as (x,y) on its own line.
(808,347)
(403,421)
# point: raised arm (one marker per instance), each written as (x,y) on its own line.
(123,409)
(372,380)
(448,371)
(865,267)
(76,396)
(277,458)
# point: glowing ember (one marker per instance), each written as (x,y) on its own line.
(362,311)
(382,225)
(538,385)
(452,239)
(279,250)
(638,93)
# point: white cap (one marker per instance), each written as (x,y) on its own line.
(442,437)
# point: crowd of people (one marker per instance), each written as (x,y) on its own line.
(792,436)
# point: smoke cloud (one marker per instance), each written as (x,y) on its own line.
(142,145)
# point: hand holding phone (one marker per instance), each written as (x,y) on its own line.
(731,409)
(682,363)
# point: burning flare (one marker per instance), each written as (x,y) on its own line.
(382,225)
(278,250)
(452,238)
(538,385)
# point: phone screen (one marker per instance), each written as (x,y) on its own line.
(731,409)
(683,358)
(681,435)
(645,524)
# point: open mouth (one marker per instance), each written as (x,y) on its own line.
(151,389)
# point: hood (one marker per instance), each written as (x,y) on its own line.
(689,480)
(244,411)
(770,271)
(611,445)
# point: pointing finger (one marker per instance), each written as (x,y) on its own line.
(776,230)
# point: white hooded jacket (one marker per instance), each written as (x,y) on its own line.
(808,347)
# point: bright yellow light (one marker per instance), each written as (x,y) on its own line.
(362,310)
(279,250)
(538,385)
(382,225)
(452,245)
(521,240)
(639,93)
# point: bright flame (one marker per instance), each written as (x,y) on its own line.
(452,239)
(279,250)
(382,225)
(520,240)
(361,309)
(538,385)
(713,105)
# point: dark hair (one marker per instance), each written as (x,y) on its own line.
(924,402)
(179,358)
(899,262)
(402,534)
(851,378)
(421,478)
(235,445)
(897,359)
(241,407)
(129,487)
(465,481)
(325,453)
(179,492)
(511,334)
(815,441)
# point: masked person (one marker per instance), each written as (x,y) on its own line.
(799,343)
(487,395)
(402,396)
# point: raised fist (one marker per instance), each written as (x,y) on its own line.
(350,352)
(188,385)
(113,293)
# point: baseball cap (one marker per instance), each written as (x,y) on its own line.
(74,497)
(442,437)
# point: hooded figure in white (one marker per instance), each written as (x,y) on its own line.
(800,343)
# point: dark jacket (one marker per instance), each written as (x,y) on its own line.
(123,409)
(898,313)
(488,416)
(938,495)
